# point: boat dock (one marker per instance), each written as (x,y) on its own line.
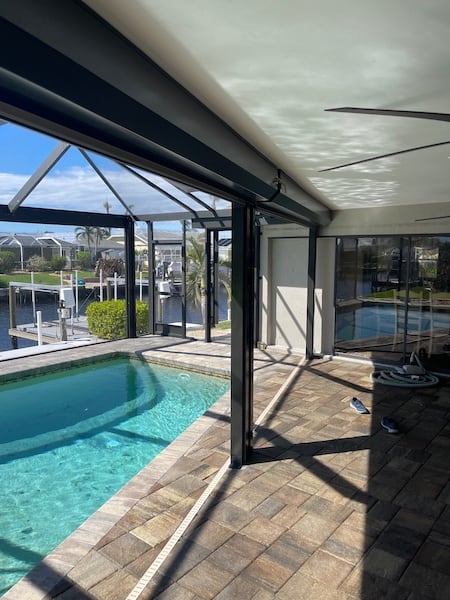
(67,328)
(76,329)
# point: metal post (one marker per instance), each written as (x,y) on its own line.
(130,279)
(312,253)
(183,282)
(62,320)
(407,281)
(39,326)
(151,278)
(33,297)
(101,285)
(76,295)
(215,280)
(207,267)
(12,315)
(257,300)
(242,341)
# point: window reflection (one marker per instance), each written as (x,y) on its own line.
(393,296)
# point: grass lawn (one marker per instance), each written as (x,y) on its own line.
(49,278)
(44,278)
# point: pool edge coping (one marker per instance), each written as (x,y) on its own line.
(142,355)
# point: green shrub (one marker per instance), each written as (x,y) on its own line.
(84,260)
(37,263)
(107,320)
(58,263)
(7,260)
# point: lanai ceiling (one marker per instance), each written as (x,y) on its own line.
(272,69)
(262,78)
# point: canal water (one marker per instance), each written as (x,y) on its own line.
(24,314)
(169,311)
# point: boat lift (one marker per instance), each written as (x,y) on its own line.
(50,332)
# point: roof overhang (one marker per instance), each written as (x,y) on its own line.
(99,91)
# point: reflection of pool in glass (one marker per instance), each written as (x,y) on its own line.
(377,320)
(70,440)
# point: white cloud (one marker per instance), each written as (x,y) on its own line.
(80,188)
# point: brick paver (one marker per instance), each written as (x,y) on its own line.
(332,506)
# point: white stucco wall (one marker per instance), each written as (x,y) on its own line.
(324,297)
(284,263)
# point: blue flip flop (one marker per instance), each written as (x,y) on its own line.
(358,406)
(389,424)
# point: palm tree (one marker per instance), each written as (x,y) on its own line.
(225,280)
(86,235)
(107,206)
(92,236)
(196,275)
(100,233)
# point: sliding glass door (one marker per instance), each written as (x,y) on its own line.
(393,296)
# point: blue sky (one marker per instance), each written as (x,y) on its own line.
(72,183)
(21,153)
(22,149)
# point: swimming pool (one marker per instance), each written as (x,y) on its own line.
(70,440)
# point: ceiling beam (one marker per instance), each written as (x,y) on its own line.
(106,181)
(181,216)
(159,189)
(390,112)
(48,216)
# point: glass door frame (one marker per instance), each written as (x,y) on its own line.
(158,326)
(415,261)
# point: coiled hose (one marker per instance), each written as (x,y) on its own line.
(412,376)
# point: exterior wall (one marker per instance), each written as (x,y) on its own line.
(284,263)
(324,310)
(284,277)
(283,289)
(427,218)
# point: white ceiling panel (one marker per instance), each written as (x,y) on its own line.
(271,69)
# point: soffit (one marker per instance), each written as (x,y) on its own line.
(271,70)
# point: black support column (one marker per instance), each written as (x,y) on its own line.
(215,317)
(208,291)
(312,253)
(151,278)
(242,339)
(257,290)
(130,278)
(183,282)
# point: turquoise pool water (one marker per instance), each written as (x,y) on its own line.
(70,440)
(375,320)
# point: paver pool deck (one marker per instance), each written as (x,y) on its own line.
(332,506)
